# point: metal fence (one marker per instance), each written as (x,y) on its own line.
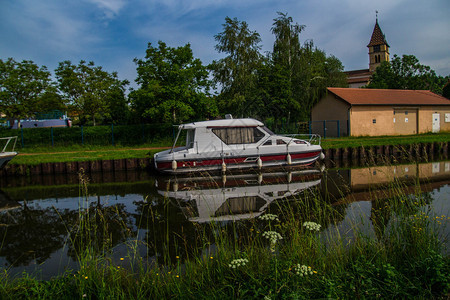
(92,135)
(329,128)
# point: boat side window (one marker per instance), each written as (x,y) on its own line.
(190,135)
(281,142)
(268,143)
(238,135)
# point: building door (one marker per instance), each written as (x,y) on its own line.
(405,121)
(436,123)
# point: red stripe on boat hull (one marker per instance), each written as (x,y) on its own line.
(192,165)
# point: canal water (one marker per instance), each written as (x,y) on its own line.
(43,220)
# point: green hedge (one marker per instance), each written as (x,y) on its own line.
(91,135)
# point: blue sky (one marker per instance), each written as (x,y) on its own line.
(113,32)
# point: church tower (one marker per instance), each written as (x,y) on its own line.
(378,48)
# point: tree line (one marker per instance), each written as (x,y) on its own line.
(174,86)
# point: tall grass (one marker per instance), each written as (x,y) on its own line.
(296,250)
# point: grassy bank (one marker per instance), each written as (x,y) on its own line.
(37,155)
(353,142)
(296,250)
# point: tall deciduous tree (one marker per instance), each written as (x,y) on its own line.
(287,71)
(406,73)
(88,88)
(299,74)
(21,86)
(237,73)
(173,86)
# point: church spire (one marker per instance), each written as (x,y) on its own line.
(378,47)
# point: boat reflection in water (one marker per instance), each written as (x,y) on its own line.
(236,196)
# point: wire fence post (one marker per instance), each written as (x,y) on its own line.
(324,129)
(82,136)
(338,129)
(112,133)
(21,134)
(51,131)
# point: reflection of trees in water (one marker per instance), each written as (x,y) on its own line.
(99,228)
(168,233)
(33,233)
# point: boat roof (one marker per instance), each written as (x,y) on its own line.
(247,122)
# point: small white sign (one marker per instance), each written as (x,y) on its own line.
(447,118)
(406,120)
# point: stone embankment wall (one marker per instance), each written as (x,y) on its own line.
(359,156)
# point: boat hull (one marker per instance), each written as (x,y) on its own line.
(186,165)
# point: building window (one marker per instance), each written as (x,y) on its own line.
(374,121)
(376,48)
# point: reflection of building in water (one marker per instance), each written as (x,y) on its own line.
(365,184)
(235,197)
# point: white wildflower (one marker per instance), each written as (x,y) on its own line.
(312,226)
(272,236)
(236,263)
(269,217)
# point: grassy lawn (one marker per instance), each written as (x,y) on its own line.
(353,142)
(36,155)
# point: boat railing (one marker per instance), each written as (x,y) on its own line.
(8,141)
(313,139)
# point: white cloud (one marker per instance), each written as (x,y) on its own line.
(110,8)
(113,32)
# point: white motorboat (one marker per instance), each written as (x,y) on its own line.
(7,155)
(220,145)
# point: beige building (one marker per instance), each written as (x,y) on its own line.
(376,112)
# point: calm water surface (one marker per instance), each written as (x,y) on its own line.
(39,217)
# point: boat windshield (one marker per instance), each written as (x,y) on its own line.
(268,130)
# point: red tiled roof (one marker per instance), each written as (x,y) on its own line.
(358,72)
(377,37)
(356,76)
(355,96)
